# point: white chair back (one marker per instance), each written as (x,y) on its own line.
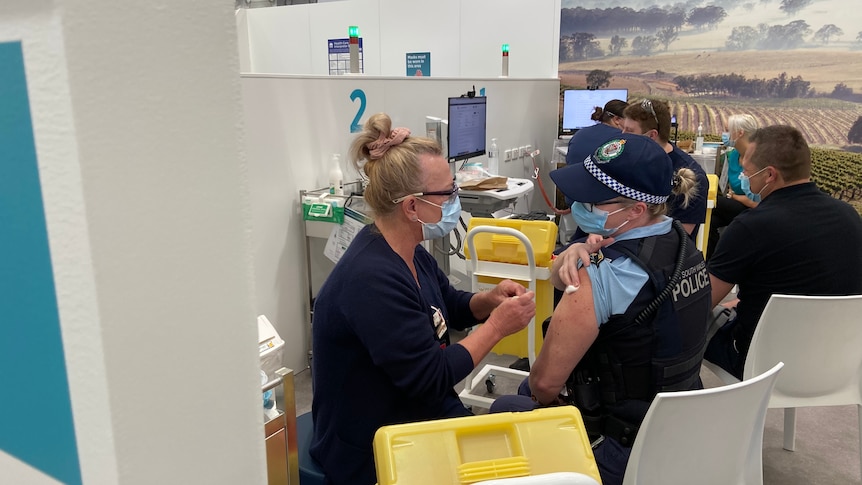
(708,436)
(819,339)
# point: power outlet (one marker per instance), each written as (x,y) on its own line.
(522,152)
(508,155)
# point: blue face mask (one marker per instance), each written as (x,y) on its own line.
(725,139)
(745,183)
(448,220)
(593,222)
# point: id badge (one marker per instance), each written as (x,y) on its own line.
(439,322)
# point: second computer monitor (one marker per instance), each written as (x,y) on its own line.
(579,105)
(467,127)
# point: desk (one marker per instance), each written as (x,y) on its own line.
(483,203)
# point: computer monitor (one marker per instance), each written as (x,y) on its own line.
(467,127)
(579,105)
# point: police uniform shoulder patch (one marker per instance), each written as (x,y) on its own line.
(597,257)
(610,150)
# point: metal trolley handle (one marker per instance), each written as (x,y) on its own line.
(496,270)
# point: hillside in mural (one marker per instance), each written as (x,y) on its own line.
(796,62)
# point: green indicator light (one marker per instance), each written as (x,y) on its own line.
(505,47)
(353,31)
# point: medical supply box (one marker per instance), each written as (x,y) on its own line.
(270,345)
(508,250)
(471,449)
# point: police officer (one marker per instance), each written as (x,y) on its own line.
(634,319)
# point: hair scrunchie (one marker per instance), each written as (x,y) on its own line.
(676,180)
(378,147)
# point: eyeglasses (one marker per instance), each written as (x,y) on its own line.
(591,205)
(452,194)
(647,105)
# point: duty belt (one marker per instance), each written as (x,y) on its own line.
(611,427)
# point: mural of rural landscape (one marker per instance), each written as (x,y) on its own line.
(795,62)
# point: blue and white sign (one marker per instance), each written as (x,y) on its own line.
(36,424)
(339,56)
(418,63)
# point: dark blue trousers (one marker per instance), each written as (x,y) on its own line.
(611,456)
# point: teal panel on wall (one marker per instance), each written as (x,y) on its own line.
(36,423)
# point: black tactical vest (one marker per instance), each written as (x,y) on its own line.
(652,347)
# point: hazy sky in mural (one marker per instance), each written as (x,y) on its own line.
(845,14)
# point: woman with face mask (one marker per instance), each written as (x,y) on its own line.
(632,329)
(738,196)
(382,353)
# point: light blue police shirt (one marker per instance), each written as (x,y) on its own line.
(617,282)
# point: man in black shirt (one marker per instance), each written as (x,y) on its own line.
(798,241)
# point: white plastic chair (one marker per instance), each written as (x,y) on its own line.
(819,338)
(708,436)
(493,269)
(559,478)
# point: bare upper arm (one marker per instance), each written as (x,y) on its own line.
(572,330)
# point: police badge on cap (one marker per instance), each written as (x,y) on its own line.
(610,150)
(628,165)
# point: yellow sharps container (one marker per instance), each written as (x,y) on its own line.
(511,254)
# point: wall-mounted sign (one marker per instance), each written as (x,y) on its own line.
(339,56)
(418,63)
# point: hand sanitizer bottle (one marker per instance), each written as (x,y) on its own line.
(698,147)
(336,182)
(493,158)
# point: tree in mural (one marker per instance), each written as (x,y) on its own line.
(742,38)
(598,78)
(842,91)
(706,17)
(565,48)
(667,35)
(827,32)
(585,45)
(792,7)
(617,44)
(855,135)
(733,84)
(643,45)
(790,36)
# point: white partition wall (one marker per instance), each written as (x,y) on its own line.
(128,342)
(295,123)
(464,37)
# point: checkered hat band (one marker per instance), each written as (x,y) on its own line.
(619,188)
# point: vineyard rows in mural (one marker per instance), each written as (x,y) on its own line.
(821,126)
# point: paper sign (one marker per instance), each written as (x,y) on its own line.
(418,63)
(341,237)
(339,56)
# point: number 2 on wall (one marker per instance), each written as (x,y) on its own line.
(360,94)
